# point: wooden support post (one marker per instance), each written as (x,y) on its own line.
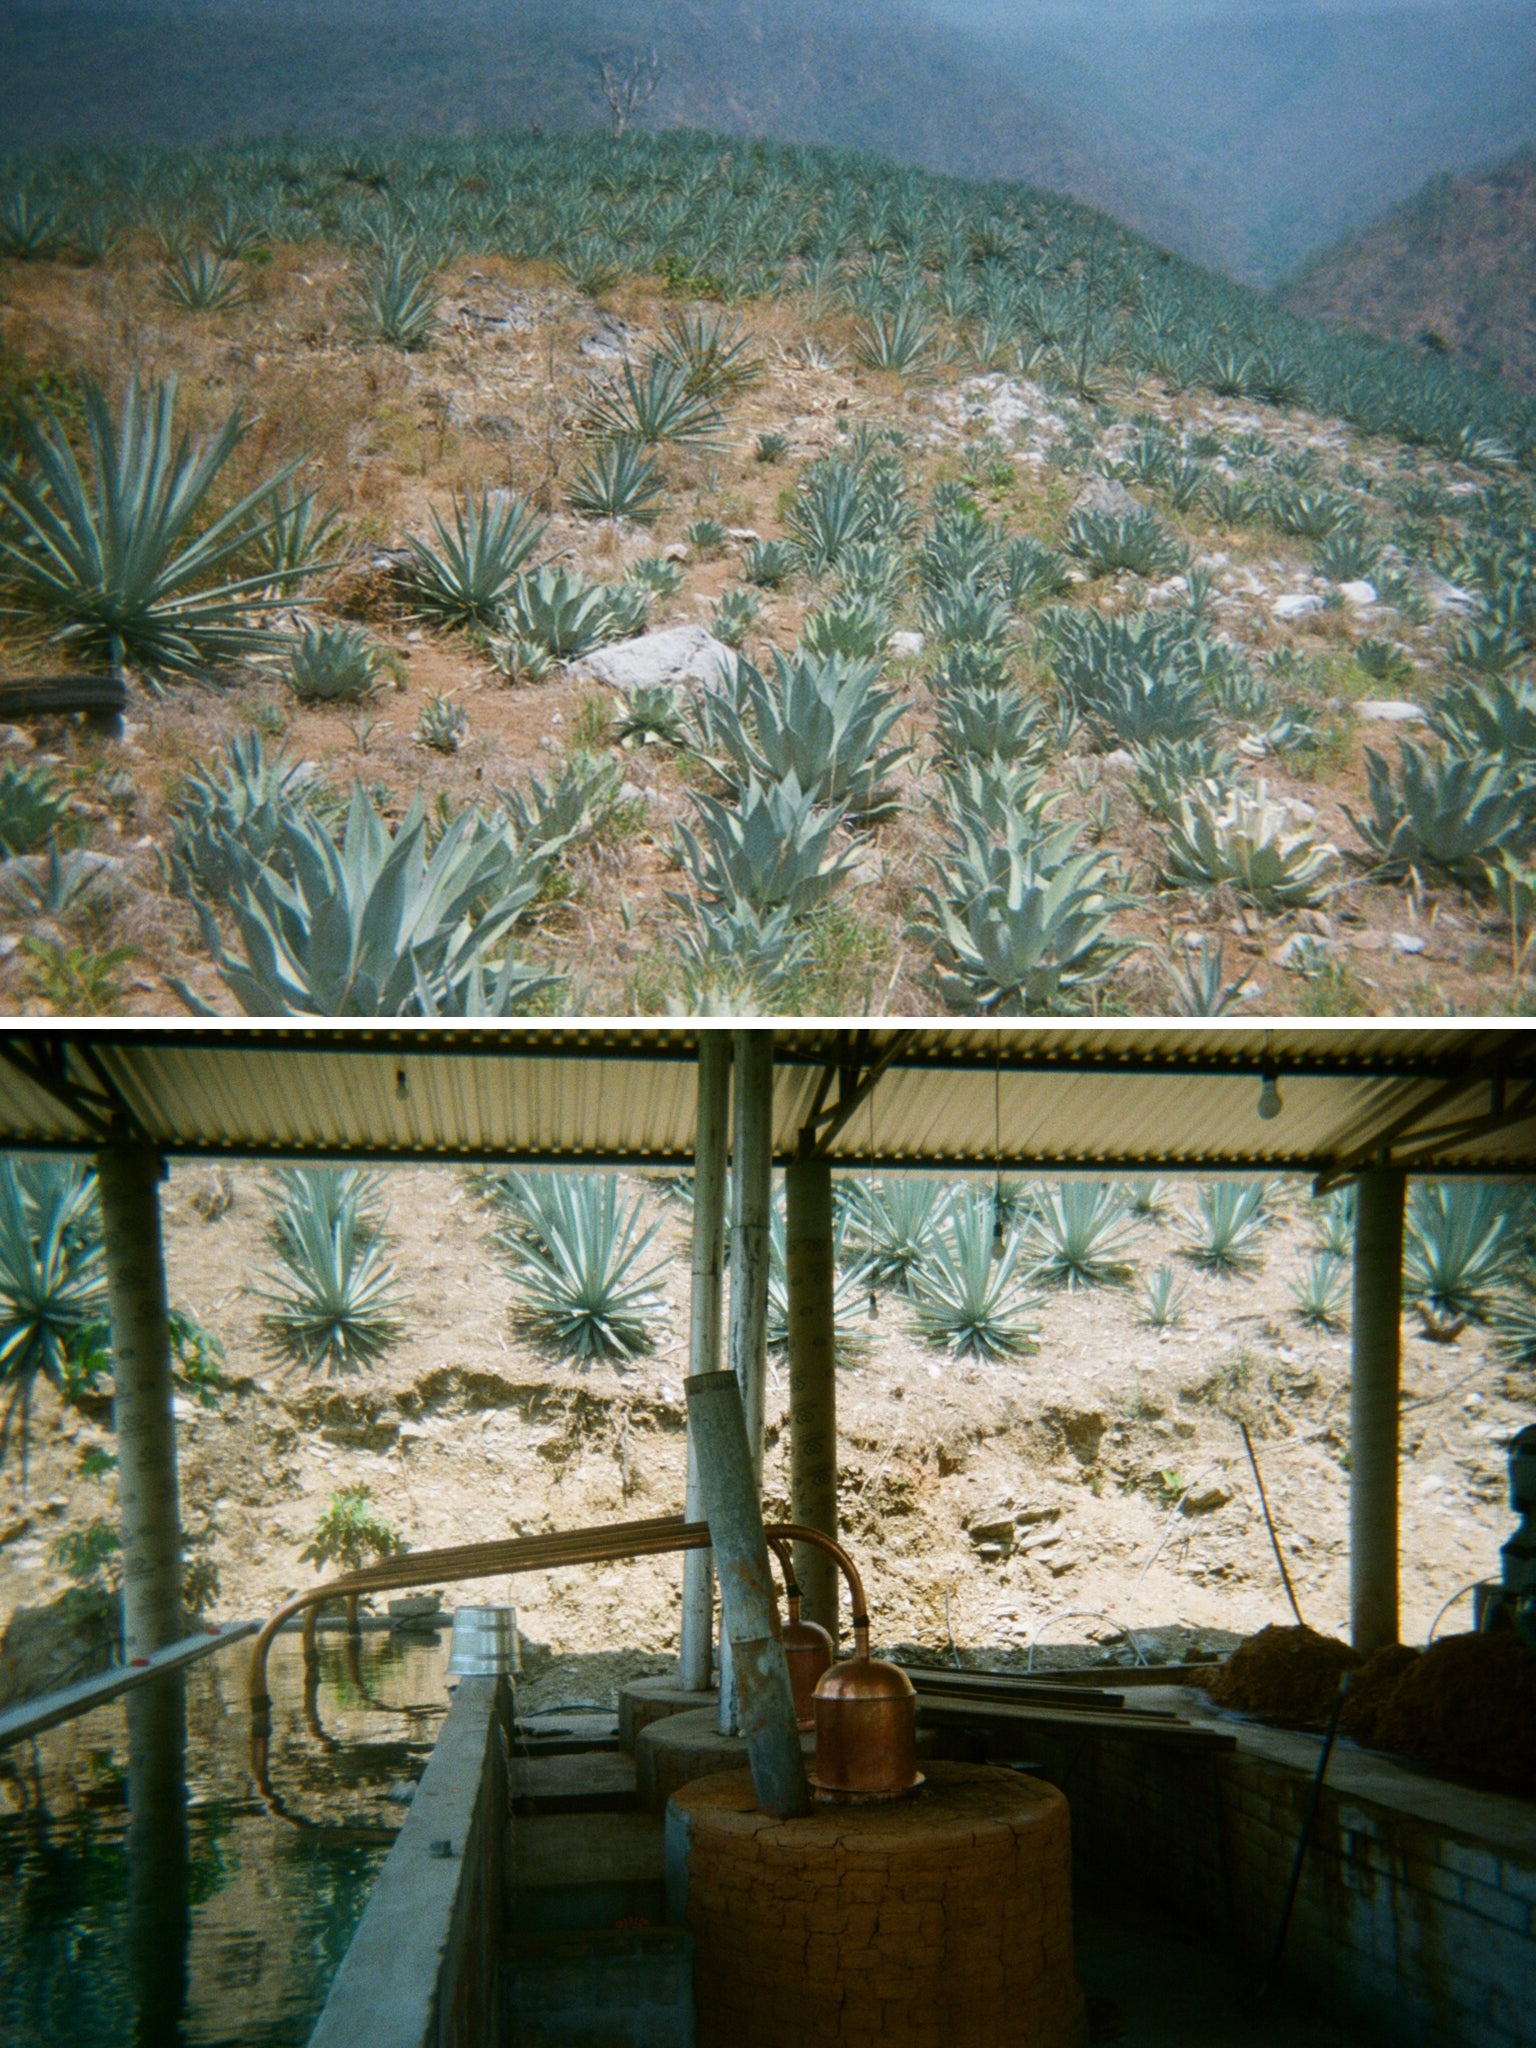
(1375,1372)
(812,1377)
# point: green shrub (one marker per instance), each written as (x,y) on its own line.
(351,1533)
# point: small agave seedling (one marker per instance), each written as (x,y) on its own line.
(622,481)
(1160,1304)
(443,725)
(734,616)
(1250,840)
(1319,1291)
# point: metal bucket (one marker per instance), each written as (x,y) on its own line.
(484,1643)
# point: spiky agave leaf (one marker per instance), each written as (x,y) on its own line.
(108,559)
(1160,1304)
(559,610)
(331,1191)
(244,798)
(1493,716)
(658,403)
(335,1305)
(334,665)
(550,817)
(580,1281)
(1319,1290)
(470,574)
(1252,842)
(1462,1247)
(773,850)
(32,808)
(377,926)
(713,349)
(1452,812)
(822,719)
(892,1222)
(1225,1229)
(53,1283)
(967,1301)
(737,961)
(620,482)
(1109,541)
(1079,1233)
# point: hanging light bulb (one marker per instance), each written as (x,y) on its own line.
(1270,1104)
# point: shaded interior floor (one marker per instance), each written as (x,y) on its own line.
(1153,1983)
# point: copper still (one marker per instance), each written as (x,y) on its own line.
(807,1646)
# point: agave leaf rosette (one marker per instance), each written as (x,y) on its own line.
(242,800)
(1080,1232)
(1246,838)
(966,1300)
(559,610)
(772,850)
(892,1223)
(577,1266)
(823,719)
(1225,1229)
(122,559)
(1496,716)
(379,925)
(53,1283)
(1463,1246)
(466,578)
(1019,926)
(654,404)
(335,1304)
(1452,812)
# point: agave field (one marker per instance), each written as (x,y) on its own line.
(1069,630)
(1030,1416)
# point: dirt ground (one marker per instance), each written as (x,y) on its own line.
(388,438)
(467,1432)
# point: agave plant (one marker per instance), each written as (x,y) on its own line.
(1224,1231)
(1079,1234)
(577,1267)
(1462,1247)
(1106,542)
(713,351)
(963,615)
(329,1191)
(658,576)
(1160,1304)
(900,341)
(1496,717)
(1452,812)
(656,404)
(768,563)
(334,665)
(1135,679)
(967,1300)
(706,536)
(32,808)
(892,1224)
(300,541)
(52,1279)
(737,961)
(443,725)
(30,229)
(1333,1223)
(833,509)
(995,725)
(244,800)
(110,559)
(547,818)
(620,482)
(1138,706)
(335,1304)
(1017,929)
(472,571)
(856,627)
(772,851)
(652,712)
(823,720)
(1001,796)
(1197,978)
(377,926)
(559,610)
(1166,770)
(1251,841)
(1347,555)
(394,299)
(204,283)
(734,616)
(1319,1290)
(1310,514)
(1491,647)
(1029,572)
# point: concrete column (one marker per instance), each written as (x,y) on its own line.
(751,1250)
(149,1505)
(713,1126)
(735,1516)
(1376,1338)
(812,1378)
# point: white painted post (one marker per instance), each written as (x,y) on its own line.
(751,1224)
(695,1656)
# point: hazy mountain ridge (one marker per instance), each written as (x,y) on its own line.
(874,74)
(1456,264)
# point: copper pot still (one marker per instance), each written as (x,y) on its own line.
(866,1730)
(808,1653)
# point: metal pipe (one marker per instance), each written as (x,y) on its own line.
(810,1279)
(149,1506)
(1375,1372)
(694,1650)
(746,1595)
(751,1250)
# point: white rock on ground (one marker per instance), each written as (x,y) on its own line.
(1358,594)
(677,654)
(1297,604)
(907,643)
(1388,710)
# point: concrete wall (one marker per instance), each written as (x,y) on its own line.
(421,1970)
(1417,1908)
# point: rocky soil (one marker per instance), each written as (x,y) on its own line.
(1096,1487)
(389,437)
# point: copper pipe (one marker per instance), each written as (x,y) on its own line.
(658,1536)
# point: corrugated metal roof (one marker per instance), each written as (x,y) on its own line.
(1042,1096)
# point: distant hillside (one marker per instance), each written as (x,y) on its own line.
(1453,269)
(863,74)
(1281,125)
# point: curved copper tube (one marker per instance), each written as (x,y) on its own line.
(659,1536)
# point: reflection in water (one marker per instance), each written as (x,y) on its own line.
(159,1861)
(147,1898)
